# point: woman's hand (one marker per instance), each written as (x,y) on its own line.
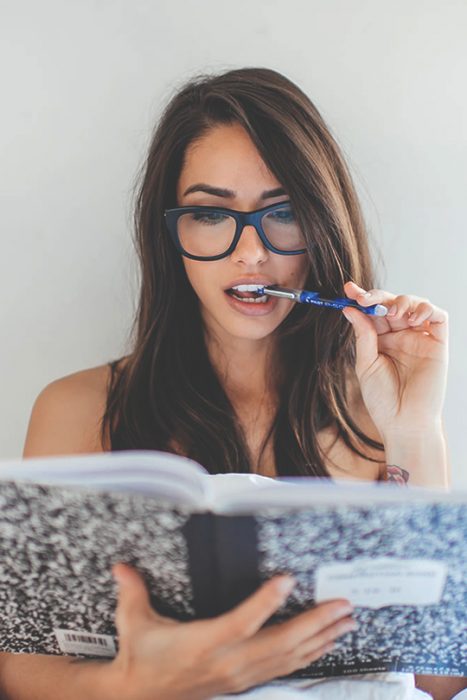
(162,658)
(401,360)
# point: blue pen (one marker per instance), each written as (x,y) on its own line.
(305,297)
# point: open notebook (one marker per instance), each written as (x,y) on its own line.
(205,542)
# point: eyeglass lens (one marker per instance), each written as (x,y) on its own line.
(206,233)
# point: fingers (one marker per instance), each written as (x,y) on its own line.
(366,297)
(247,618)
(307,654)
(286,647)
(133,606)
(312,628)
(270,667)
(404,310)
(303,635)
(311,646)
(414,311)
(310,657)
(422,312)
(417,308)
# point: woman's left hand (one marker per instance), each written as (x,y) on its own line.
(401,359)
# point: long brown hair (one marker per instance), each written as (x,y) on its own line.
(168,391)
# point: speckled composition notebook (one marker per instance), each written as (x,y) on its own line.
(205,542)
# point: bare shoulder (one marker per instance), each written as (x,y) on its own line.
(66,416)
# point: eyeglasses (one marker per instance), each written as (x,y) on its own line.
(212,233)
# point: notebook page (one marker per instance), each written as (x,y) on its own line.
(248,493)
(159,474)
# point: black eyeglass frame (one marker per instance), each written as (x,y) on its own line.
(242,219)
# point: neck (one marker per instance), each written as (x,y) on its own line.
(247,368)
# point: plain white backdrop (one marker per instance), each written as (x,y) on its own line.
(83,83)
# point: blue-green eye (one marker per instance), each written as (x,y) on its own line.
(209,217)
(284,216)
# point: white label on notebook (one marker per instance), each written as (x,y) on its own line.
(373,583)
(79,642)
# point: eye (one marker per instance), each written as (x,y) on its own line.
(285,215)
(208,217)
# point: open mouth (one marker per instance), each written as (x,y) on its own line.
(248,293)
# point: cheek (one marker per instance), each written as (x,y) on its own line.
(198,276)
(297,271)
(190,270)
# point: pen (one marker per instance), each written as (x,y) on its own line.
(304,297)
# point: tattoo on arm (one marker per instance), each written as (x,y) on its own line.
(397,474)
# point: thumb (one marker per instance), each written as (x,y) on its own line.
(366,339)
(133,605)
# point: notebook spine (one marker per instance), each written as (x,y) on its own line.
(200,537)
(223,561)
(238,559)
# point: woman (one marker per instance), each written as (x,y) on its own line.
(246,385)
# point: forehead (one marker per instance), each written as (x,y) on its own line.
(225,157)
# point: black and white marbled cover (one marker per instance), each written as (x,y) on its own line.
(417,639)
(57,547)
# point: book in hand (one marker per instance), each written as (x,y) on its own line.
(204,543)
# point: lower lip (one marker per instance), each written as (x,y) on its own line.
(251,308)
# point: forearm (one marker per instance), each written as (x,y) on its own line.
(422,454)
(441,687)
(26,676)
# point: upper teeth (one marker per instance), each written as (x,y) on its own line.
(248,287)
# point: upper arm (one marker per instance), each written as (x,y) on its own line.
(67,414)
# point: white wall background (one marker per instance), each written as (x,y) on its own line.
(82,84)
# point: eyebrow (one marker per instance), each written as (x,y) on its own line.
(220,192)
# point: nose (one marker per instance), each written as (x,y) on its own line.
(250,248)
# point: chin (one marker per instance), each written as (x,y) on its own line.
(251,330)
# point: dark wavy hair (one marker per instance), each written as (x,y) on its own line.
(167,392)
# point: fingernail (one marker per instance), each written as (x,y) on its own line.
(347,609)
(344,610)
(366,295)
(116,575)
(286,585)
(392,311)
(413,318)
(350,627)
(119,574)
